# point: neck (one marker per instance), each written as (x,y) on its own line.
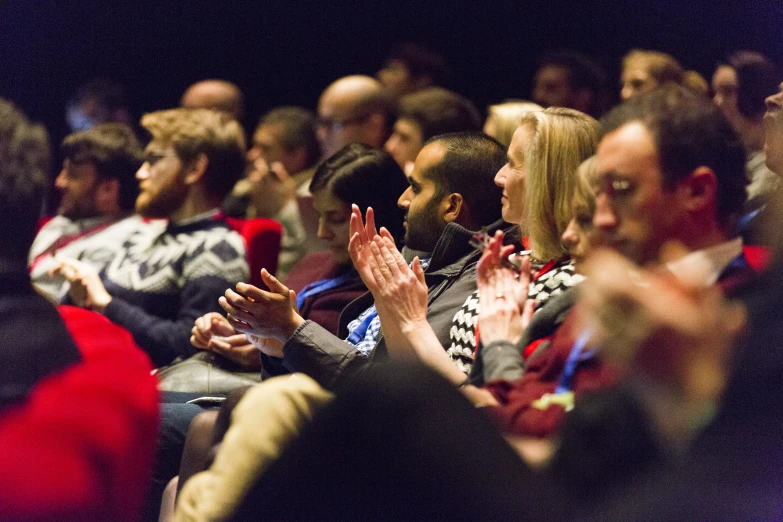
(196,203)
(705,235)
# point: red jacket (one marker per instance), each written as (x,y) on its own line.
(81,447)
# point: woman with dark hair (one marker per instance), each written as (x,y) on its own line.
(324,281)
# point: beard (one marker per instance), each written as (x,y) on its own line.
(163,203)
(424,227)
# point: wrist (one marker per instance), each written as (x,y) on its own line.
(99,305)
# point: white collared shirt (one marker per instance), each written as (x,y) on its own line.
(707,264)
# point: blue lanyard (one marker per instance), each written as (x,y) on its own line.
(320,286)
(744,221)
(360,331)
(577,355)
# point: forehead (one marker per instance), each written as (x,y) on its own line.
(407,127)
(324,201)
(430,156)
(627,151)
(552,74)
(724,75)
(520,141)
(337,102)
(268,133)
(80,169)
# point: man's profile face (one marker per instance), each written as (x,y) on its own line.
(78,183)
(552,87)
(423,207)
(162,187)
(773,132)
(339,123)
(405,143)
(634,213)
(268,145)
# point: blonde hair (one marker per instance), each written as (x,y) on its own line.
(562,139)
(506,117)
(664,68)
(192,132)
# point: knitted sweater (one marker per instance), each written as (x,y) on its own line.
(166,276)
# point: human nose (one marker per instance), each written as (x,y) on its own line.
(570,235)
(404,202)
(604,217)
(144,171)
(500,178)
(61,180)
(324,232)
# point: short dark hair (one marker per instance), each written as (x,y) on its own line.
(468,168)
(420,61)
(689,132)
(361,175)
(115,152)
(298,130)
(757,78)
(439,111)
(583,73)
(24,170)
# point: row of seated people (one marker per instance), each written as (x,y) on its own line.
(155,275)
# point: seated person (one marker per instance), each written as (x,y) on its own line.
(59,413)
(451,195)
(99,189)
(427,113)
(281,162)
(325,282)
(166,275)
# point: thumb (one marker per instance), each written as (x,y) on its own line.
(418,271)
(292,298)
(272,282)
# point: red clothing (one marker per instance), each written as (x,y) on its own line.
(81,447)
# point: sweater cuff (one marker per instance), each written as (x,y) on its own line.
(502,360)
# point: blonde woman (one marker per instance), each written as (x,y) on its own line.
(538,186)
(503,119)
(644,71)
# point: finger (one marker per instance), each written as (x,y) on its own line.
(237,300)
(383,267)
(385,234)
(240,326)
(272,282)
(357,224)
(225,305)
(391,262)
(354,245)
(418,271)
(222,328)
(279,170)
(203,324)
(370,226)
(396,254)
(292,300)
(196,343)
(528,310)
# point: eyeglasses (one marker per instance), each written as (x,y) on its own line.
(151,158)
(338,125)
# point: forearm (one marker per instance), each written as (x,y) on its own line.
(428,349)
(502,360)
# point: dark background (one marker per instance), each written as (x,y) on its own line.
(286,52)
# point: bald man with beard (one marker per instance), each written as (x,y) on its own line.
(354,108)
(218,95)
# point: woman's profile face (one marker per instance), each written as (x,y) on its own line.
(334,217)
(511,178)
(577,234)
(636,80)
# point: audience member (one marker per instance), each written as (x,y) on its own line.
(740,86)
(644,71)
(354,108)
(166,275)
(411,67)
(281,162)
(99,101)
(217,95)
(99,190)
(503,119)
(55,399)
(427,113)
(451,195)
(570,79)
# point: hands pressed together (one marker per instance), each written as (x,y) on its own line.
(87,290)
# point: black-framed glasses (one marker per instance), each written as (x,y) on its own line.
(338,125)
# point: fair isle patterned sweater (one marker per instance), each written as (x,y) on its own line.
(548,284)
(165,276)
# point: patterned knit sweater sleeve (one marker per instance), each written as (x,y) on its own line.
(463,336)
(159,290)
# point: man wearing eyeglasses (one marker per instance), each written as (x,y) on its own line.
(354,108)
(168,273)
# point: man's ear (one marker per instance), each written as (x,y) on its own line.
(196,168)
(700,189)
(452,206)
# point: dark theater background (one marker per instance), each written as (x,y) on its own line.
(287,51)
